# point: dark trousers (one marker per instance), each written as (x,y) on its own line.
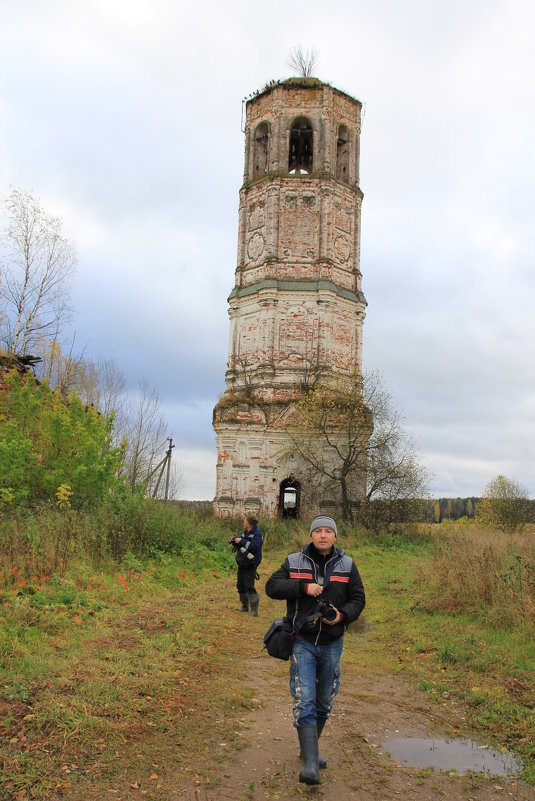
(246,578)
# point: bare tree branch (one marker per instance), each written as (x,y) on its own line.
(38,262)
(145,431)
(353,441)
(303,61)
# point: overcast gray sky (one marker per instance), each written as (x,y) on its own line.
(124,118)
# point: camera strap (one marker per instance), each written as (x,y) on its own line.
(329,570)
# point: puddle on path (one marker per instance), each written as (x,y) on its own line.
(360,626)
(460,755)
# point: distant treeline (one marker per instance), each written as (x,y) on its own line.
(438,509)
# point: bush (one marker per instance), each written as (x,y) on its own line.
(395,515)
(47,441)
(504,505)
(132,523)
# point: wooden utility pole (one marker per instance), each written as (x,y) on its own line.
(161,467)
(168,454)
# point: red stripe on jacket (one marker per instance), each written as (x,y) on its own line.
(301,576)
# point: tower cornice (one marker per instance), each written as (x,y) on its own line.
(296,285)
(276,176)
(298,82)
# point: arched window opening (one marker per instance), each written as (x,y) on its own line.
(261,150)
(342,154)
(301,147)
(289,499)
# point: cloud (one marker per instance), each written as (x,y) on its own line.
(198,471)
(125,119)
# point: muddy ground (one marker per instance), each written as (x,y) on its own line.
(368,711)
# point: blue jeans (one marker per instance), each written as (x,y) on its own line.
(314,680)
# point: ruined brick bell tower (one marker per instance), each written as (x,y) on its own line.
(297,305)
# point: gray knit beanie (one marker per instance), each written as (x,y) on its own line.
(323,520)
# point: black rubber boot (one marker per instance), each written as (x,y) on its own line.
(322,762)
(244,598)
(308,740)
(254,600)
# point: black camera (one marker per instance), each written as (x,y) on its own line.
(323,609)
(327,610)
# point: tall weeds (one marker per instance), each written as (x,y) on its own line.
(44,542)
(48,540)
(481,572)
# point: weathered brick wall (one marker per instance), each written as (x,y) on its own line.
(298,330)
(297,304)
(308,230)
(326,107)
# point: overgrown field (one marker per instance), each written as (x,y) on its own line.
(122,675)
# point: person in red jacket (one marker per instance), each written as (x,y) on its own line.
(324,594)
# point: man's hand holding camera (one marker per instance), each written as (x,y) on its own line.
(315,590)
(333,620)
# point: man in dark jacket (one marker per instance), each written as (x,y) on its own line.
(324,593)
(248,549)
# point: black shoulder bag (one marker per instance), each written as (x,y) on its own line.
(279,638)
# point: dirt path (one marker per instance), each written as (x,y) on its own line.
(187,733)
(367,711)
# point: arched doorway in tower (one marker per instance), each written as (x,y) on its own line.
(289,499)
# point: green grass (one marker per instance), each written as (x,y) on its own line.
(490,669)
(94,662)
(105,668)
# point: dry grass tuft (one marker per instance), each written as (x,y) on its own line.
(480,571)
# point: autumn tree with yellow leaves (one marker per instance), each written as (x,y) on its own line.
(504,505)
